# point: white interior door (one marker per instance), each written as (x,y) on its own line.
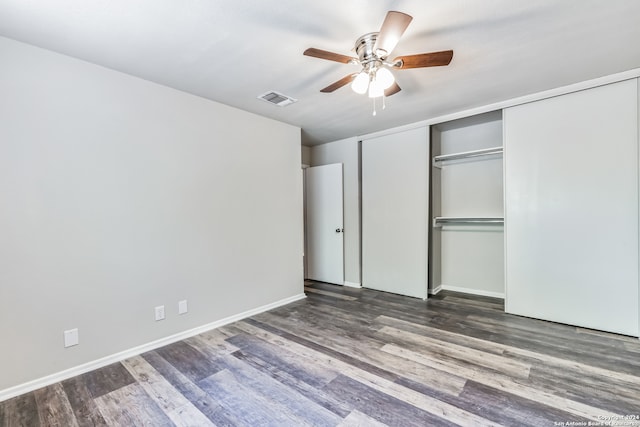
(395,192)
(325,242)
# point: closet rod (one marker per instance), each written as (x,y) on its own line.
(439,221)
(467,154)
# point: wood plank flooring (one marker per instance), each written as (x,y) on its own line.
(357,357)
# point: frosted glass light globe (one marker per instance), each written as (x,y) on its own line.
(360,83)
(384,78)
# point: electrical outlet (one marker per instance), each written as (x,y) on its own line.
(182,307)
(71,337)
(160,312)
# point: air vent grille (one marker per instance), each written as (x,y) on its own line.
(276,98)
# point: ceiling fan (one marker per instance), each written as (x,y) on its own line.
(373,50)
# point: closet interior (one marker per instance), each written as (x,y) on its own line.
(467,206)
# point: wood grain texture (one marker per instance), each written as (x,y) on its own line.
(395,88)
(382,406)
(366,352)
(84,408)
(131,406)
(338,84)
(358,419)
(324,54)
(453,352)
(20,411)
(299,367)
(331,294)
(257,385)
(212,343)
(505,384)
(317,395)
(191,362)
(349,357)
(420,60)
(205,403)
(250,407)
(386,384)
(177,407)
(54,408)
(107,379)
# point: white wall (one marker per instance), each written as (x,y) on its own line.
(119,195)
(306,155)
(471,258)
(346,152)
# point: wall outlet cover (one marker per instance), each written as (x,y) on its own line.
(71,337)
(182,307)
(159,310)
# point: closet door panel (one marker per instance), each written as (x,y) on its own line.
(395,192)
(571,208)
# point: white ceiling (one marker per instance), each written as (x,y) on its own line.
(231,51)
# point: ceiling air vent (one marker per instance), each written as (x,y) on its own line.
(276,98)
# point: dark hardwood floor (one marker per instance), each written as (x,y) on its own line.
(355,357)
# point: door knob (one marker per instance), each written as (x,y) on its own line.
(339,230)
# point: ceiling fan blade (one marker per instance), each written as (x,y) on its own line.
(393,27)
(337,85)
(323,54)
(392,90)
(433,59)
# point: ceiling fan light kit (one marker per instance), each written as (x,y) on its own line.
(374,78)
(361,83)
(373,49)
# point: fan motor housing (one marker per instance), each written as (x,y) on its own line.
(364,48)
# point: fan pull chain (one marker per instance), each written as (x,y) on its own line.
(384,105)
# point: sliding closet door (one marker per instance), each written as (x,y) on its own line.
(394,212)
(571,200)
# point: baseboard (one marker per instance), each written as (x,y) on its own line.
(352,284)
(471,291)
(104,361)
(435,291)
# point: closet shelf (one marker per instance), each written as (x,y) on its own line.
(437,160)
(439,221)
